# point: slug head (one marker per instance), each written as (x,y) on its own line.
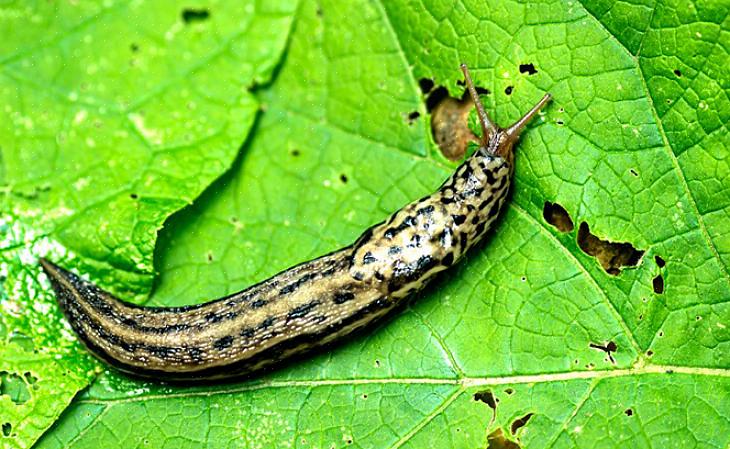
(495,140)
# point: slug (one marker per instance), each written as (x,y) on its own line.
(311,304)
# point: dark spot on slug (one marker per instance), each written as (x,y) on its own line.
(518,423)
(458,219)
(426,85)
(259,303)
(528,68)
(678,73)
(379,276)
(659,261)
(508,90)
(487,397)
(611,255)
(195,354)
(368,258)
(394,250)
(448,259)
(223,343)
(213,317)
(658,284)
(267,323)
(248,332)
(628,412)
(428,210)
(358,276)
(556,215)
(342,297)
(302,310)
(190,15)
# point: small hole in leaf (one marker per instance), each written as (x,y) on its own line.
(649,353)
(518,423)
(528,68)
(134,196)
(559,122)
(413,116)
(641,316)
(556,215)
(295,152)
(669,371)
(487,397)
(633,172)
(210,257)
(426,85)
(659,261)
(661,333)
(7,428)
(377,363)
(698,318)
(364,396)
(678,73)
(508,90)
(134,47)
(343,178)
(658,284)
(629,412)
(509,391)
(190,15)
(612,256)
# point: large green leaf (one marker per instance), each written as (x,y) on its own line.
(629,147)
(113,115)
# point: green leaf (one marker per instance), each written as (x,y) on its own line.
(510,340)
(113,115)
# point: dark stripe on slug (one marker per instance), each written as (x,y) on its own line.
(296,284)
(343,297)
(259,303)
(368,258)
(303,310)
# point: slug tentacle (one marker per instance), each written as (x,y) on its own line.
(313,303)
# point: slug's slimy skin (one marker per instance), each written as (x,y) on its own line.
(311,304)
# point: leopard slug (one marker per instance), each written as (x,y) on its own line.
(311,304)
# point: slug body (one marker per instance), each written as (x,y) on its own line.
(308,305)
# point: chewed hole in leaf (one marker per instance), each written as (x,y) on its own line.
(658,284)
(508,90)
(487,397)
(520,422)
(528,68)
(556,215)
(412,117)
(7,428)
(612,256)
(678,73)
(14,386)
(629,412)
(190,15)
(609,348)
(497,440)
(426,85)
(449,122)
(659,261)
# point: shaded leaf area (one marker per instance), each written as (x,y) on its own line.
(114,115)
(529,316)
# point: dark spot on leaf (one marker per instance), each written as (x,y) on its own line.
(609,348)
(678,73)
(295,152)
(520,422)
(509,390)
(134,47)
(659,261)
(508,90)
(343,178)
(426,85)
(649,353)
(658,284)
(210,257)
(497,440)
(669,371)
(319,11)
(7,428)
(487,397)
(528,68)
(190,15)
(377,363)
(413,116)
(556,215)
(629,412)
(611,255)
(559,122)
(134,196)
(661,333)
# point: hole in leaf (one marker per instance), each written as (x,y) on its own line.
(520,422)
(497,440)
(426,85)
(612,256)
(528,68)
(633,172)
(649,353)
(210,257)
(14,386)
(678,73)
(609,348)
(7,428)
(487,397)
(629,412)
(295,152)
(190,15)
(134,47)
(413,116)
(343,178)
(134,196)
(560,122)
(508,90)
(658,284)
(509,391)
(659,261)
(556,215)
